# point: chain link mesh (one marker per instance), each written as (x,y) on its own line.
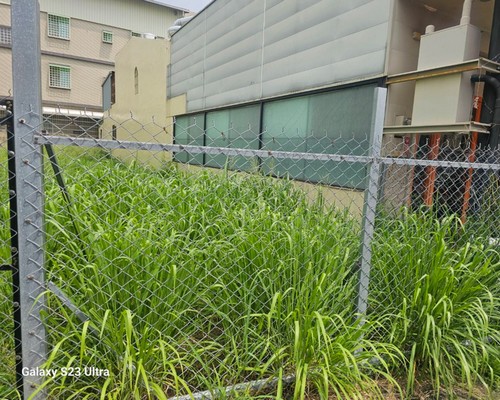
(283,248)
(185,277)
(233,256)
(438,212)
(7,356)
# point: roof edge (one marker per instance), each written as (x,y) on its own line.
(159,3)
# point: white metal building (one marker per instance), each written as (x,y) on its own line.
(299,75)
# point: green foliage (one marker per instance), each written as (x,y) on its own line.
(443,299)
(199,281)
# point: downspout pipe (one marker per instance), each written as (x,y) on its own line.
(494,83)
(466,11)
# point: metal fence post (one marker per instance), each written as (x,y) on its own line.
(16,300)
(25,18)
(370,204)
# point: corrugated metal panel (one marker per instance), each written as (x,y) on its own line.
(237,51)
(230,51)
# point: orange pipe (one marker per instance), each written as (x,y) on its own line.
(411,151)
(430,180)
(477,106)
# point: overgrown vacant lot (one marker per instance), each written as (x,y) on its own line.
(199,281)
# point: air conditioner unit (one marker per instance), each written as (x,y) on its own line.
(445,99)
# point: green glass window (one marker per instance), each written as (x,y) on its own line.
(336,122)
(189,130)
(233,128)
(285,129)
(339,122)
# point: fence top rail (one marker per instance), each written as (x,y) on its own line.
(148,146)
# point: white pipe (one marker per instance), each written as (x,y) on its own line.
(253,386)
(466,11)
(172,30)
(183,21)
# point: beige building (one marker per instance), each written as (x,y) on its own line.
(79,43)
(136,93)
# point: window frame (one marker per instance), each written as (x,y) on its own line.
(6,32)
(58,36)
(60,67)
(103,36)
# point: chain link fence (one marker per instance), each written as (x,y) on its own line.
(8,363)
(177,268)
(182,270)
(276,250)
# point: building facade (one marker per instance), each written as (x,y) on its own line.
(135,92)
(79,43)
(301,76)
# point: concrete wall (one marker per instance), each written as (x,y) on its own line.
(85,40)
(86,80)
(88,57)
(140,116)
(238,50)
(343,199)
(6,71)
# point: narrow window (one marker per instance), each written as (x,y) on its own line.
(113,132)
(136,80)
(58,27)
(59,76)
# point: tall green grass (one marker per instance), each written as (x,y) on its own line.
(199,281)
(7,355)
(443,297)
(196,282)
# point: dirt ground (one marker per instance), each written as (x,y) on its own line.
(423,391)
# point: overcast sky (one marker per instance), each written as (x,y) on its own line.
(193,5)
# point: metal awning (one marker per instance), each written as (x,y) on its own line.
(72,112)
(481,65)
